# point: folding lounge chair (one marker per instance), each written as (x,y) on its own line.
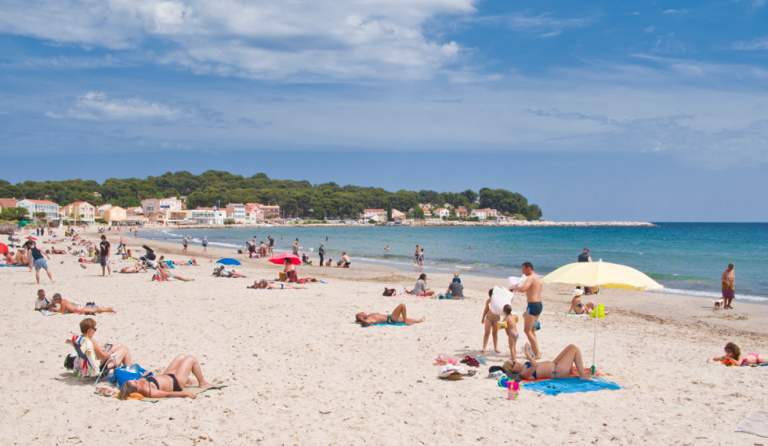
(85,364)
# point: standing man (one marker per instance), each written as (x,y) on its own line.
(729,286)
(104,248)
(532,290)
(37,258)
(321,252)
(416,256)
(295,247)
(584,257)
(185,242)
(205,244)
(271,247)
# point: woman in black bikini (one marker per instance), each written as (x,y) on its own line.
(170,383)
(560,368)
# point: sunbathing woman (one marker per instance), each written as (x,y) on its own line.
(264,285)
(171,383)
(577,306)
(397,316)
(736,357)
(559,368)
(135,268)
(166,274)
(66,306)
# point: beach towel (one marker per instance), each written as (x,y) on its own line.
(755,423)
(17,266)
(730,362)
(195,390)
(570,385)
(399,324)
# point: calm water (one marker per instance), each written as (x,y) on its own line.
(687,258)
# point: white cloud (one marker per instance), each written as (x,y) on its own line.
(759,43)
(255,39)
(97,106)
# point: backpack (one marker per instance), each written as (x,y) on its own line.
(388,292)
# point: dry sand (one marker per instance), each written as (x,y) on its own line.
(300,371)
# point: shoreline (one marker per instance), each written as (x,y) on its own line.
(296,356)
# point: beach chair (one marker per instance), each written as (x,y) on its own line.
(85,363)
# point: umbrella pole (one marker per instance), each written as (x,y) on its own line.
(594,347)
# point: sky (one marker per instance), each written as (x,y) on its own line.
(593,110)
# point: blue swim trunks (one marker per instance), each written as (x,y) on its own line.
(535,309)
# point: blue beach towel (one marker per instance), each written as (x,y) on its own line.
(11,266)
(570,385)
(399,324)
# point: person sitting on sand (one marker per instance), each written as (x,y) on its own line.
(420,287)
(290,270)
(511,329)
(344,262)
(166,274)
(579,307)
(397,316)
(135,268)
(491,321)
(265,285)
(456,289)
(43,302)
(65,306)
(559,368)
(734,355)
(10,259)
(171,383)
(118,352)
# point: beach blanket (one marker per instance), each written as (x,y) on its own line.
(399,324)
(731,362)
(570,385)
(755,423)
(17,266)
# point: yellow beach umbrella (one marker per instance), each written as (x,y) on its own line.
(603,274)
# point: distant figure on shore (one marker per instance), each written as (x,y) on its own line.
(729,286)
(104,248)
(416,256)
(420,287)
(455,289)
(397,316)
(559,368)
(344,262)
(321,253)
(386,249)
(171,383)
(265,285)
(295,247)
(584,257)
(290,270)
(532,290)
(736,357)
(421,257)
(185,243)
(205,244)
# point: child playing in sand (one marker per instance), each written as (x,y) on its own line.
(511,328)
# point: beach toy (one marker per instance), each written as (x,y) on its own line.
(499,298)
(600,311)
(513,390)
(502,324)
(503,381)
(536,325)
(593,313)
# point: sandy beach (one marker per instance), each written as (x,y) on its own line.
(298,370)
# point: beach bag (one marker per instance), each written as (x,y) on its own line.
(127,373)
(388,292)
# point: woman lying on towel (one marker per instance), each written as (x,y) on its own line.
(559,368)
(264,285)
(171,383)
(734,355)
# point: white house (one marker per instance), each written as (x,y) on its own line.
(208,216)
(441,212)
(239,214)
(378,215)
(50,208)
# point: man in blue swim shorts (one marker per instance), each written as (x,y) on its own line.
(532,290)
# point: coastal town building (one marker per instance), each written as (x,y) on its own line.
(114,214)
(377,215)
(441,212)
(136,210)
(484,214)
(398,216)
(7,203)
(208,216)
(238,212)
(50,208)
(165,205)
(461,212)
(80,211)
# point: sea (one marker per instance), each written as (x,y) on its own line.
(687,258)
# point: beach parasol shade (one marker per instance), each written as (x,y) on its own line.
(280,259)
(228,261)
(603,274)
(3,248)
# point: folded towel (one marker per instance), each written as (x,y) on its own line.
(755,423)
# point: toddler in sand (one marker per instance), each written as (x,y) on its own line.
(511,328)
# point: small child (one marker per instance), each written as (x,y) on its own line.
(511,328)
(456,278)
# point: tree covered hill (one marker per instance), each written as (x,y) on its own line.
(298,199)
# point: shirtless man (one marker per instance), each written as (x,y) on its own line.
(66,306)
(136,268)
(397,316)
(166,274)
(532,290)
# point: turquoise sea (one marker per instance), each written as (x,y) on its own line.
(687,258)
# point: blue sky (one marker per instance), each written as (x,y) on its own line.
(594,110)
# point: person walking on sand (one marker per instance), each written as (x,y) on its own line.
(37,258)
(397,316)
(321,252)
(185,243)
(104,248)
(416,256)
(205,244)
(729,283)
(532,290)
